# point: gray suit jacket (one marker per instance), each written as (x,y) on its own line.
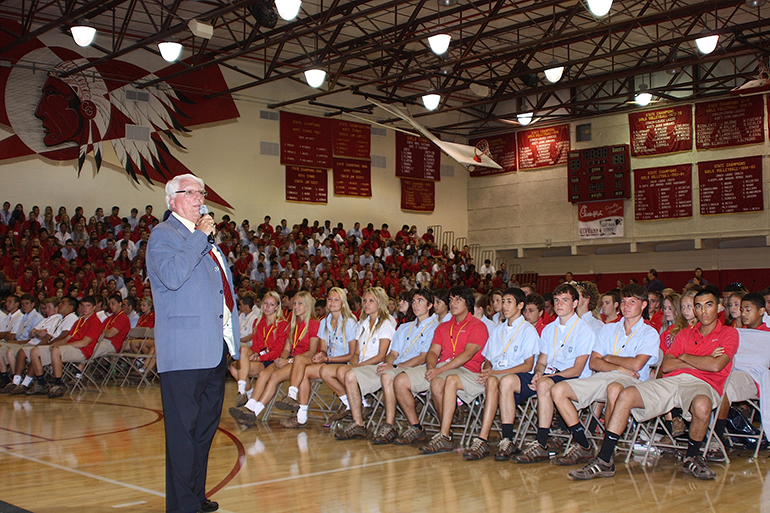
(188,297)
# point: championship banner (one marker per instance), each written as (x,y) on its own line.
(306,185)
(657,132)
(352,178)
(663,192)
(731,186)
(306,141)
(418,195)
(502,148)
(600,220)
(542,147)
(730,122)
(351,139)
(417,158)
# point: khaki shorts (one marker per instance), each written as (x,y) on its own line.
(471,387)
(45,354)
(417,379)
(71,354)
(5,347)
(368,380)
(740,386)
(662,395)
(594,388)
(102,348)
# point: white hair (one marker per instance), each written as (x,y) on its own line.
(173,185)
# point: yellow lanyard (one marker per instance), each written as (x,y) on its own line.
(555,339)
(418,335)
(615,351)
(267,332)
(113,319)
(296,338)
(366,342)
(451,335)
(502,337)
(334,337)
(78,325)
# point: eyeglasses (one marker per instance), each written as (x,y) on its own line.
(191,193)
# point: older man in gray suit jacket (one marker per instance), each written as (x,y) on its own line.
(196,325)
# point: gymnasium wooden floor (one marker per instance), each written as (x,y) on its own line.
(105,452)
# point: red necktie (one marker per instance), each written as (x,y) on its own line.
(225,284)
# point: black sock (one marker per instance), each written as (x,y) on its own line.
(418,426)
(542,437)
(58,381)
(4,379)
(484,439)
(608,446)
(693,448)
(579,435)
(719,428)
(592,426)
(508,431)
(41,381)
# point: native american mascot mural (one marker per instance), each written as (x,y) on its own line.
(63,114)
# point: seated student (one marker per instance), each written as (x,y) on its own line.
(611,307)
(268,340)
(733,309)
(453,364)
(655,302)
(129,308)
(338,332)
(497,305)
(622,357)
(78,346)
(27,321)
(741,386)
(534,312)
(375,331)
(511,348)
(43,330)
(441,305)
(115,328)
(673,320)
(247,317)
(695,370)
(302,338)
(565,345)
(589,300)
(550,315)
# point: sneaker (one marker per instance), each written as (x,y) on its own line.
(478,450)
(8,389)
(534,452)
(696,466)
(411,435)
(243,416)
(677,427)
(340,414)
(37,389)
(574,455)
(56,391)
(292,423)
(594,468)
(439,443)
(386,435)
(713,453)
(505,450)
(287,404)
(351,431)
(241,400)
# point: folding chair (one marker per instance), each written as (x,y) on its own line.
(79,379)
(324,404)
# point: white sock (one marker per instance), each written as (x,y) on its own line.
(249,393)
(344,399)
(364,402)
(293,391)
(255,406)
(302,413)
(26,381)
(241,386)
(17,379)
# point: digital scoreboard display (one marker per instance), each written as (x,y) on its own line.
(597,174)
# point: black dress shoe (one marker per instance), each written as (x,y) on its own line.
(208,506)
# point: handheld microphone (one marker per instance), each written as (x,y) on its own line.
(204,211)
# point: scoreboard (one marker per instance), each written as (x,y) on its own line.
(600,173)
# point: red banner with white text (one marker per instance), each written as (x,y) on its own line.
(661,131)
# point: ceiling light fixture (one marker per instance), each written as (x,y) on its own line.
(643,98)
(599,8)
(288,9)
(315,77)
(707,44)
(170,50)
(755,3)
(200,29)
(83,33)
(431,101)
(525,118)
(554,72)
(439,43)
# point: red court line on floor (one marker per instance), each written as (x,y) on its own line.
(238,463)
